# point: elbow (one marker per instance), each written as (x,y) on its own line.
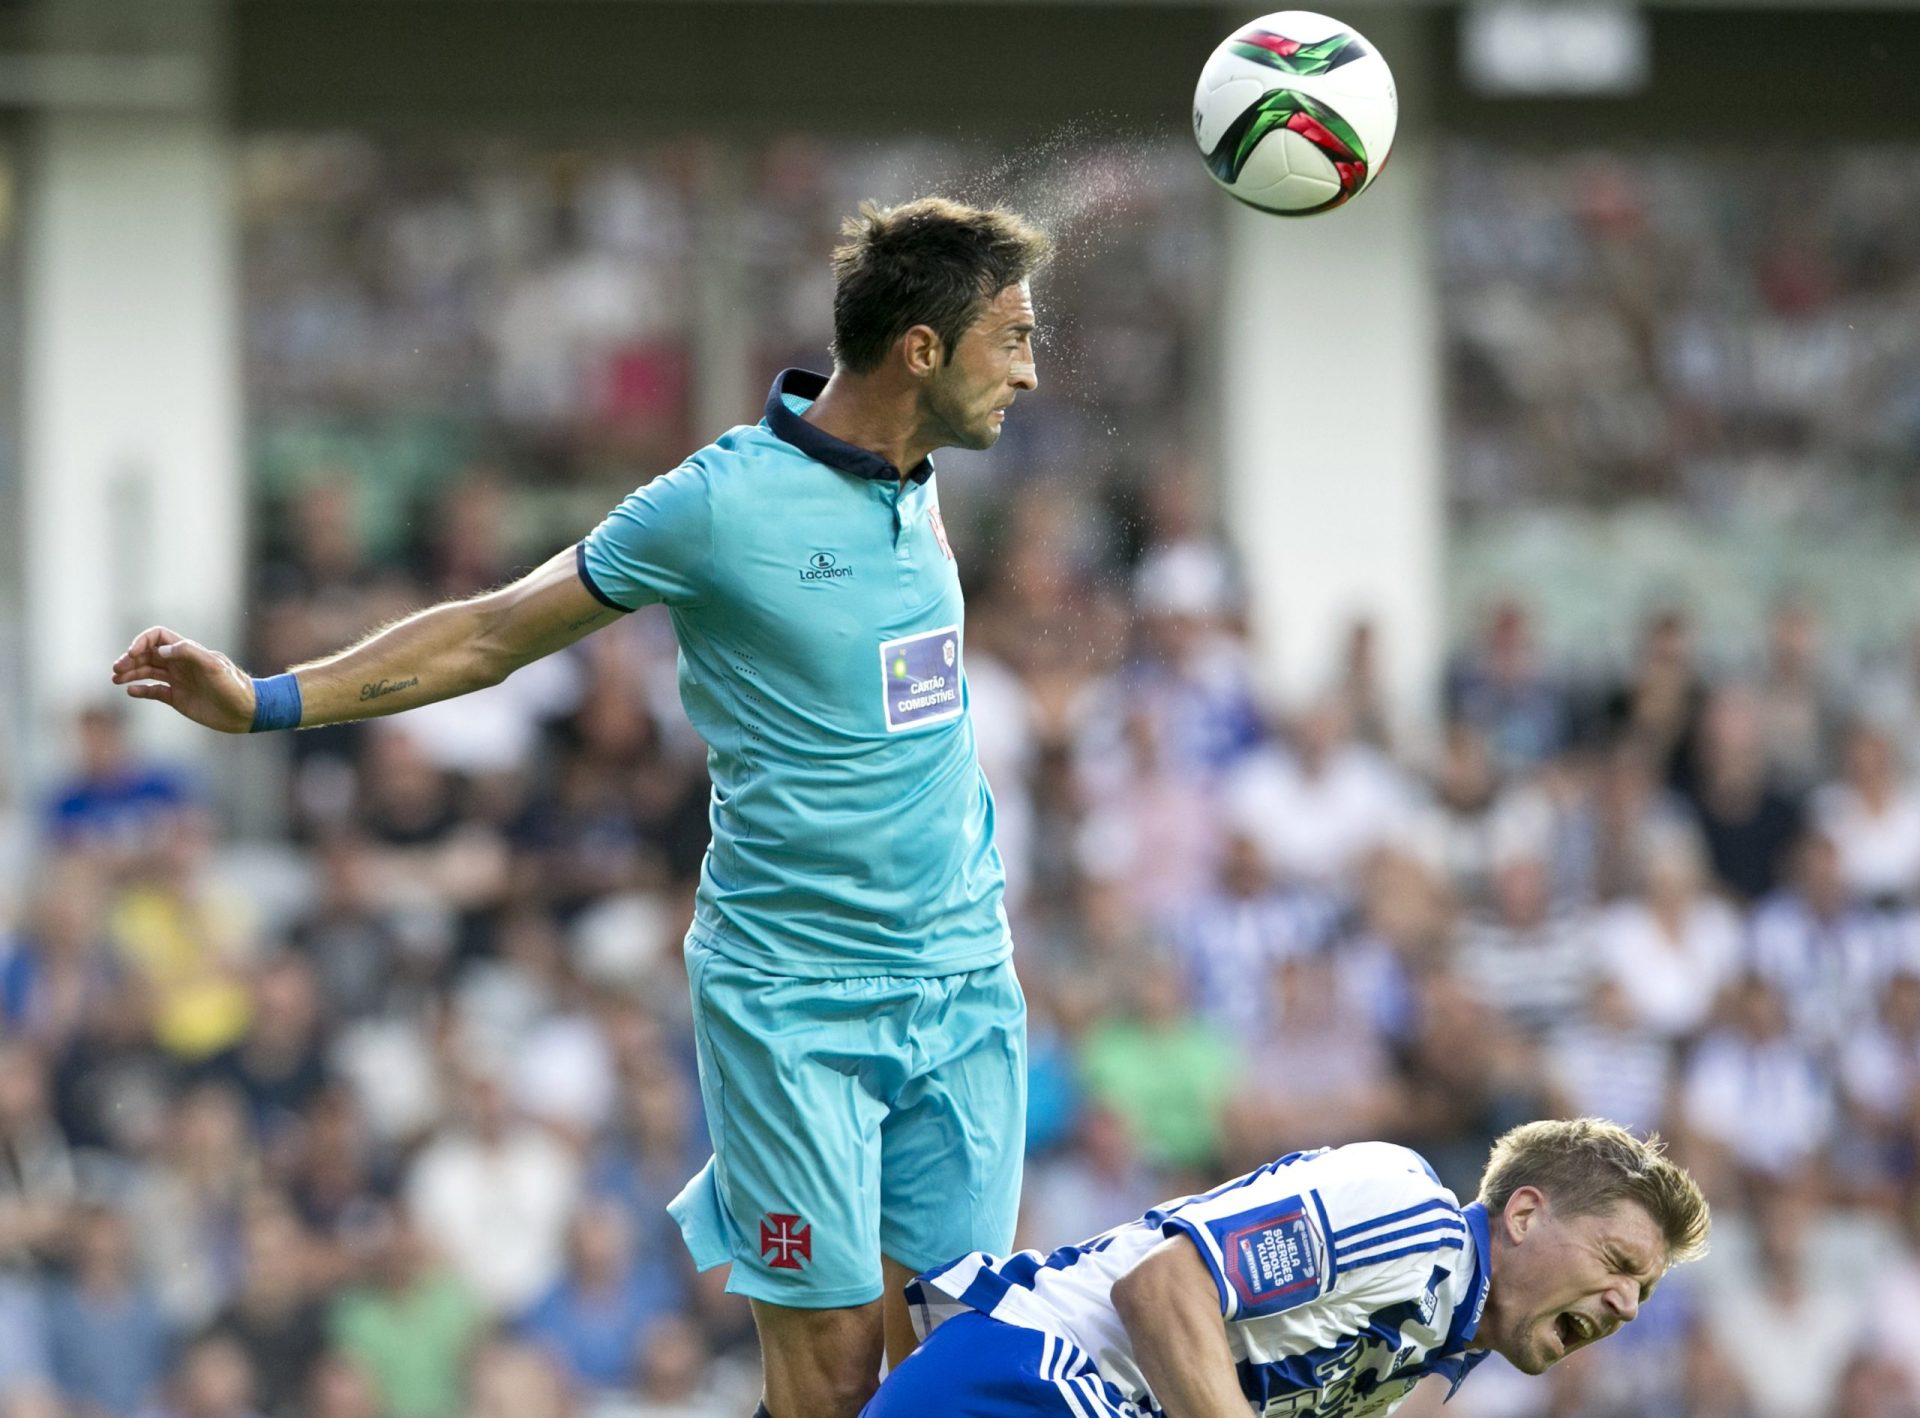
(1131,1295)
(487,666)
(1170,1280)
(493,656)
(491,667)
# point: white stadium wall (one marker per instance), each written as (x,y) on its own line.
(130,410)
(1330,410)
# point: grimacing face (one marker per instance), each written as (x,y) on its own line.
(967,397)
(1562,1283)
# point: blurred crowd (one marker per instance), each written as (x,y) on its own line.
(1721,328)
(376,1115)
(380,1119)
(546,313)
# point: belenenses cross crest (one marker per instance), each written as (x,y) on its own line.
(785,1241)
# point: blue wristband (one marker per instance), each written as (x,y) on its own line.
(276,704)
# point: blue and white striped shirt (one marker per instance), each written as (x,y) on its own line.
(1831,970)
(1232,943)
(1345,1276)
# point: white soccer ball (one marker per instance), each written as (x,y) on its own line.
(1295,113)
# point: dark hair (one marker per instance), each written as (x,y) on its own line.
(1586,1165)
(927,262)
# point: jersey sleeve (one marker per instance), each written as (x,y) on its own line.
(1353,1229)
(656,546)
(1264,1240)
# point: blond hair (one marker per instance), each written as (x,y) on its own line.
(1585,1165)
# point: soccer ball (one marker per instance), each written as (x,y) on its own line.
(1294,113)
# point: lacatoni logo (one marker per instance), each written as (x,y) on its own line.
(824,566)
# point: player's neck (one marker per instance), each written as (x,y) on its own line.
(864,412)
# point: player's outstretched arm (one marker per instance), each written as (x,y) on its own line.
(1171,1309)
(446,650)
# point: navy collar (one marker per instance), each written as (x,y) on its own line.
(1466,1315)
(821,446)
(1455,1360)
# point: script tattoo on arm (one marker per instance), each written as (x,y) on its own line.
(380,688)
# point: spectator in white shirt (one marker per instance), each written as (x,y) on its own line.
(1893,1303)
(1787,1324)
(1323,808)
(1674,947)
(495,1195)
(1872,813)
(1149,827)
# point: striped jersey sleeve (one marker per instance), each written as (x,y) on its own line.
(1346,1223)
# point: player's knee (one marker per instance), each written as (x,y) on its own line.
(836,1385)
(823,1362)
(830,1391)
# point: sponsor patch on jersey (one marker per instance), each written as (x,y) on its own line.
(920,678)
(1274,1257)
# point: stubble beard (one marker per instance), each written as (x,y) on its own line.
(956,429)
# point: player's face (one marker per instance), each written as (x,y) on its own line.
(967,397)
(1561,1284)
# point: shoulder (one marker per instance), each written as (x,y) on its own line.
(1396,1234)
(1366,1198)
(708,469)
(730,478)
(1353,1227)
(1365,1183)
(740,449)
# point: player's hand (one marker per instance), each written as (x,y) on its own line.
(201,684)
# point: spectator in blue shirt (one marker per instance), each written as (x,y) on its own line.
(595,1318)
(108,1339)
(113,801)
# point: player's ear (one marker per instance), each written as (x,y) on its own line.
(923,351)
(1525,1209)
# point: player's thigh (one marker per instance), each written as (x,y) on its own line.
(953,1145)
(976,1367)
(796,1135)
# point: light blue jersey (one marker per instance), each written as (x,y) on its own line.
(821,633)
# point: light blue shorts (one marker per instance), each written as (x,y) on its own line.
(884,1115)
